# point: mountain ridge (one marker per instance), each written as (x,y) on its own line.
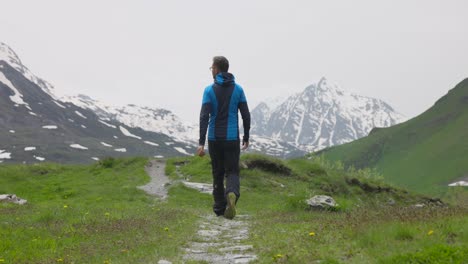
(37,127)
(322,115)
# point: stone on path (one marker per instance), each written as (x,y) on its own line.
(201,187)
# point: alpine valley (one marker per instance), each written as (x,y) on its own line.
(36,125)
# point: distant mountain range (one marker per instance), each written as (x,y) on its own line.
(165,122)
(425,153)
(150,119)
(322,115)
(39,126)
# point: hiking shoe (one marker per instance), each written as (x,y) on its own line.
(231,206)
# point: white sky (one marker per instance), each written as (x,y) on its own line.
(157,53)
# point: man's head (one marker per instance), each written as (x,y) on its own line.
(220,64)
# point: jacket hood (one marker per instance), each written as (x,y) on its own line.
(224,78)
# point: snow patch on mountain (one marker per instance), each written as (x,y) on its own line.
(181,150)
(152,143)
(80,114)
(78,146)
(127,133)
(59,104)
(107,124)
(4,154)
(17,97)
(121,150)
(106,145)
(39,158)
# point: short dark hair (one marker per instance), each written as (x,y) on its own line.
(221,63)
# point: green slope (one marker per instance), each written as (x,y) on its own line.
(424,154)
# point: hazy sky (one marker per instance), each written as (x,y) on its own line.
(157,53)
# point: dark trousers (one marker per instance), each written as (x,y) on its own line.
(224,164)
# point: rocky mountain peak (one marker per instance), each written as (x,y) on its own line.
(322,115)
(8,55)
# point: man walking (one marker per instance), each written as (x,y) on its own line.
(219,115)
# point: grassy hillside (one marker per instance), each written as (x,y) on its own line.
(425,153)
(95,214)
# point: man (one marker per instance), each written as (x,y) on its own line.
(221,102)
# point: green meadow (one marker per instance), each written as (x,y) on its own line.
(96,214)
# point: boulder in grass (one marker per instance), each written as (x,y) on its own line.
(321,202)
(12,198)
(459,183)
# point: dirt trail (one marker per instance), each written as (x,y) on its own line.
(159,181)
(218,240)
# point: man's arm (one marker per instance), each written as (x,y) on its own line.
(204,120)
(245,113)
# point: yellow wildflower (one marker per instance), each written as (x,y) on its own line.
(430,232)
(311,234)
(65,206)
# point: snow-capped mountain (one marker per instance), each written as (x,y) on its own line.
(8,55)
(322,115)
(151,119)
(35,126)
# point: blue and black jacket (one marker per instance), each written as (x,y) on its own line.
(221,102)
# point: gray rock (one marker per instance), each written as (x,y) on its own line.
(12,198)
(321,202)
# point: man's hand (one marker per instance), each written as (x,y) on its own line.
(245,145)
(201,151)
